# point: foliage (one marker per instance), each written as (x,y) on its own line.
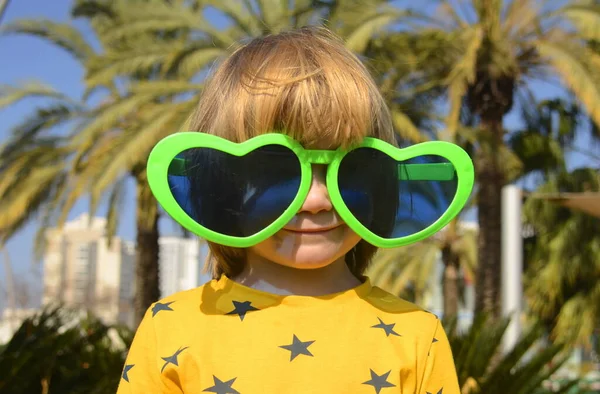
(482,53)
(407,271)
(483,368)
(60,351)
(549,133)
(563,280)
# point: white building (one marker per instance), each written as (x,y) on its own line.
(181,263)
(82,270)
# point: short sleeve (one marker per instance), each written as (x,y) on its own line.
(141,373)
(440,372)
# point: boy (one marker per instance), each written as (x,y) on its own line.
(292,313)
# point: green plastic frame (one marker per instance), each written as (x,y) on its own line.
(163,162)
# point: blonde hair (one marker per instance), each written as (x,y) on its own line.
(302,82)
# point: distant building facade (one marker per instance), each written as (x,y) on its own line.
(181,264)
(82,271)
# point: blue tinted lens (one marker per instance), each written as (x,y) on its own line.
(387,204)
(231,195)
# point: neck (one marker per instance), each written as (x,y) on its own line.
(279,279)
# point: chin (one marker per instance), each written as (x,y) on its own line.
(307,251)
(311,257)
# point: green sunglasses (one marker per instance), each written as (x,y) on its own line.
(240,194)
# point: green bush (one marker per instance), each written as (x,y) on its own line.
(60,351)
(483,369)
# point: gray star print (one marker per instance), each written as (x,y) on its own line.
(172,359)
(379,382)
(240,309)
(298,347)
(161,307)
(126,370)
(439,392)
(388,328)
(221,387)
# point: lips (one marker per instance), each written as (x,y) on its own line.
(313,230)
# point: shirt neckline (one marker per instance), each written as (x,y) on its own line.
(234,288)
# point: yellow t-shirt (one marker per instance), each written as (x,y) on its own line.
(227,338)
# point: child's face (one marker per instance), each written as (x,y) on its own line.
(315,237)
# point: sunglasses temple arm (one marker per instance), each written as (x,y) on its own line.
(426,172)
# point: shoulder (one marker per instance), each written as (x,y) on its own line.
(416,320)
(182,302)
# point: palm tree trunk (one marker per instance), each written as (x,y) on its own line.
(450,283)
(490,178)
(146,259)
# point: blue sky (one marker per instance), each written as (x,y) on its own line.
(26,58)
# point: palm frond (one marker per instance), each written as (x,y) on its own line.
(585,17)
(161,88)
(461,75)
(188,62)
(360,36)
(29,132)
(573,66)
(103,70)
(519,17)
(405,128)
(55,198)
(12,94)
(105,119)
(63,35)
(134,146)
(273,13)
(146,17)
(238,12)
(115,207)
(26,197)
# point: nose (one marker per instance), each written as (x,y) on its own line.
(317,199)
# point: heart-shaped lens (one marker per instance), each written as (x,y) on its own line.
(235,195)
(393,198)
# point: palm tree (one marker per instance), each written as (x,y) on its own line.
(42,170)
(485,52)
(556,292)
(563,282)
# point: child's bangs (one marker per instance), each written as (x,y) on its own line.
(321,105)
(311,88)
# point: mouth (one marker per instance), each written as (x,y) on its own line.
(312,231)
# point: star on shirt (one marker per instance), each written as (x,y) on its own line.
(439,392)
(298,347)
(379,382)
(159,306)
(434,340)
(388,328)
(125,370)
(172,359)
(240,309)
(221,387)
